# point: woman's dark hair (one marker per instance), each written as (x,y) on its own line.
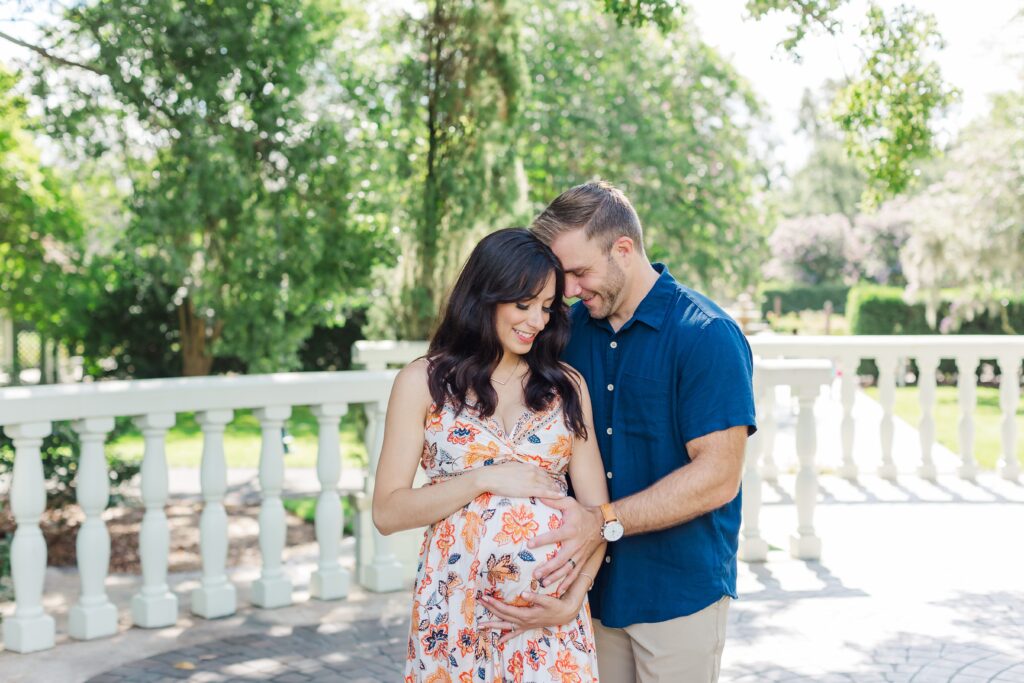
(509,265)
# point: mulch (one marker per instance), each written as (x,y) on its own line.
(60,529)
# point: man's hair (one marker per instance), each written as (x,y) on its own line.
(597,207)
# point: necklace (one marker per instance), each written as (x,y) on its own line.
(511,375)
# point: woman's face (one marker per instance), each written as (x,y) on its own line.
(518,323)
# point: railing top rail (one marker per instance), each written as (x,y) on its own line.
(186,394)
(819,345)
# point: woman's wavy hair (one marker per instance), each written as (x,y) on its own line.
(507,266)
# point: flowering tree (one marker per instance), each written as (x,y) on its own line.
(812,250)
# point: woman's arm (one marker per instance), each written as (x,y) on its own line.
(396,505)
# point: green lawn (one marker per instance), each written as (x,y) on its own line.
(242,441)
(305,509)
(987,420)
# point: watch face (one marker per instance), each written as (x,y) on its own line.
(612,531)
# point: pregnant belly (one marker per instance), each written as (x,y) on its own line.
(502,528)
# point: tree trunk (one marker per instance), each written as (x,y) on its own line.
(196,360)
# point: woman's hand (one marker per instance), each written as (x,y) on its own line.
(518,480)
(545,612)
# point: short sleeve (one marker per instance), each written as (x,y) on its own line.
(716,388)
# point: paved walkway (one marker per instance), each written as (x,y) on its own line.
(918,582)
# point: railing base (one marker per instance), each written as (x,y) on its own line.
(928,473)
(805,547)
(95,621)
(329,585)
(216,602)
(272,593)
(29,634)
(383,578)
(888,472)
(154,611)
(753,550)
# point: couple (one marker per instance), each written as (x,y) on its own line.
(641,390)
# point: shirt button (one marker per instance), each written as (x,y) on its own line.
(608,431)
(609,475)
(607,559)
(614,345)
(611,387)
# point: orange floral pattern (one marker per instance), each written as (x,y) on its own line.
(482,550)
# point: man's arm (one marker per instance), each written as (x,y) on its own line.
(710,480)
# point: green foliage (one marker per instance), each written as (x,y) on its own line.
(41,231)
(244,214)
(874,309)
(664,14)
(60,457)
(461,89)
(796,298)
(887,112)
(669,123)
(305,509)
(810,14)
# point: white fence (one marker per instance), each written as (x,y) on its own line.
(27,414)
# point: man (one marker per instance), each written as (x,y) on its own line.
(669,375)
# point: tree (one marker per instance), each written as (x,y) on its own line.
(812,250)
(886,111)
(669,122)
(241,209)
(41,230)
(967,230)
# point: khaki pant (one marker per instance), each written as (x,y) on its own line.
(683,650)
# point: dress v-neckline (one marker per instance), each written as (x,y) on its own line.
(502,430)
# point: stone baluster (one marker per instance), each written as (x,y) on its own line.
(94,616)
(329,580)
(154,606)
(384,571)
(273,588)
(887,367)
(966,383)
(848,393)
(215,597)
(753,548)
(1009,397)
(805,544)
(31,628)
(927,364)
(768,429)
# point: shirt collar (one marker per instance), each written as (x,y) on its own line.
(654,306)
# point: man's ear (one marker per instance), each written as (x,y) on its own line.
(624,246)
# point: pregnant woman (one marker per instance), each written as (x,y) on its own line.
(497,422)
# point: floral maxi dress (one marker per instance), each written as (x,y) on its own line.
(482,550)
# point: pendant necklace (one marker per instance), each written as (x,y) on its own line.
(510,375)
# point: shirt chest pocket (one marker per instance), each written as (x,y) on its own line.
(644,406)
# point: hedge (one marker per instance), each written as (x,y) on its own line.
(796,298)
(874,309)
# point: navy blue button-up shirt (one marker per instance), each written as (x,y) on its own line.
(680,368)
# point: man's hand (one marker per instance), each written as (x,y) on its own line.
(580,536)
(545,612)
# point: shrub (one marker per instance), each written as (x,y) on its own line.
(796,298)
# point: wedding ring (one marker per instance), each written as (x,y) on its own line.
(572,562)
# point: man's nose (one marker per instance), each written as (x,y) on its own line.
(572,286)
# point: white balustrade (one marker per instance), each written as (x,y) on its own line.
(27,413)
(927,364)
(1009,397)
(768,428)
(848,392)
(154,606)
(889,352)
(329,581)
(30,629)
(273,588)
(752,547)
(384,571)
(215,597)
(94,616)
(967,383)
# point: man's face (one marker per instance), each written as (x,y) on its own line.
(591,273)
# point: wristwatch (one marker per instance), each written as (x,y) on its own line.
(612,529)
